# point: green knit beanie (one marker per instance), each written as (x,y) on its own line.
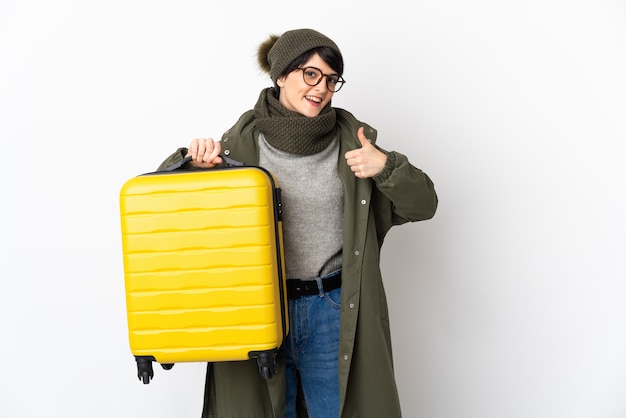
(277,52)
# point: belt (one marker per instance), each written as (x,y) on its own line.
(296,288)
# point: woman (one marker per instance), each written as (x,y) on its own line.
(341,194)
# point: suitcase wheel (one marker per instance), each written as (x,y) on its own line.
(266,372)
(144,369)
(267,364)
(167,366)
(145,377)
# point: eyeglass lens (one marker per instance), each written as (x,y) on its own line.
(312,76)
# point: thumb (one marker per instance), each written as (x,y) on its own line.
(362,137)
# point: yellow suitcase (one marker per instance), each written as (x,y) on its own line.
(203,267)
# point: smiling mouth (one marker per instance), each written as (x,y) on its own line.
(313,99)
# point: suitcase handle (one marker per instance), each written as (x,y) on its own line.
(227,160)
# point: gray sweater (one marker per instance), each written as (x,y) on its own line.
(312,198)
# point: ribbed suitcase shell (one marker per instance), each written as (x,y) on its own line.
(203,266)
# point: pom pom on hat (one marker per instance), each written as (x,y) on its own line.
(277,52)
(264,49)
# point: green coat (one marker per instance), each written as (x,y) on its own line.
(401,193)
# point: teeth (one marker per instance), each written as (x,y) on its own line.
(315,99)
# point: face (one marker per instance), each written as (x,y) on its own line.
(297,96)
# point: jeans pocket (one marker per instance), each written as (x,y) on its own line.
(334,298)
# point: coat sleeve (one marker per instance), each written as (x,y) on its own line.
(402,192)
(410,192)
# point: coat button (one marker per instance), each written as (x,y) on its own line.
(352,306)
(357,252)
(345,357)
(363,201)
(226,152)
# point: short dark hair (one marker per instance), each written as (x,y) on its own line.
(329,55)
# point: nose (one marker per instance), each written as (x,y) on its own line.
(323,84)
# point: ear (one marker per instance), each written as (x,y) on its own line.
(280,82)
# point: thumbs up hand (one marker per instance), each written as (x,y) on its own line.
(366,161)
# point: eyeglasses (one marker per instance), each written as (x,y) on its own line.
(312,76)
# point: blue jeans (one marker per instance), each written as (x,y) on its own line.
(312,351)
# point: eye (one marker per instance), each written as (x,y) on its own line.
(333,79)
(310,73)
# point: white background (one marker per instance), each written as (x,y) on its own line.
(511,302)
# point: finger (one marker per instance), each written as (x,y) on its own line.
(354,156)
(361,135)
(192,151)
(212,150)
(203,151)
(357,168)
(213,155)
